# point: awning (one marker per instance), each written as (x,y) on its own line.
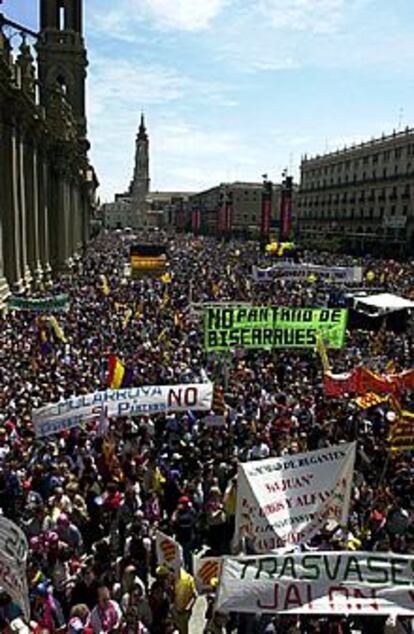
(381,304)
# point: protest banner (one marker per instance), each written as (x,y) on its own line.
(319,583)
(268,327)
(362,380)
(287,500)
(291,271)
(58,304)
(169,552)
(136,401)
(148,258)
(13,556)
(205,570)
(214,420)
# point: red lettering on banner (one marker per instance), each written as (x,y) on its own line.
(358,595)
(186,397)
(275,604)
(309,597)
(411,593)
(292,597)
(337,590)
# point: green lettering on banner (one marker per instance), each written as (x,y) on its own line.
(272,327)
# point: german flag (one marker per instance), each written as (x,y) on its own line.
(219,406)
(118,375)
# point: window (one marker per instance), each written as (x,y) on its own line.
(61,17)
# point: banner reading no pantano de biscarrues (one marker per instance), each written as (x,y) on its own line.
(267,327)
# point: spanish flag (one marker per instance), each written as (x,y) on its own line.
(118,375)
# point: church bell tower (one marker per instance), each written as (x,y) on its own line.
(62,56)
(140,182)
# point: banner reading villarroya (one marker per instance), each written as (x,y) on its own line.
(135,401)
(287,500)
(319,583)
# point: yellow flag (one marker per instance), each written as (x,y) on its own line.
(57,329)
(126,318)
(164,301)
(105,286)
(321,349)
(166,278)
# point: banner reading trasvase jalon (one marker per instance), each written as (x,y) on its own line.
(57,303)
(319,583)
(287,500)
(267,327)
(136,401)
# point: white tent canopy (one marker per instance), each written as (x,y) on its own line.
(381,304)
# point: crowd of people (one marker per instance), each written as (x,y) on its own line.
(90,505)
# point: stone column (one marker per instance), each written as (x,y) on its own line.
(43,215)
(16,273)
(37,267)
(4,206)
(23,212)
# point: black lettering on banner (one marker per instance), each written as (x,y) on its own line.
(325,316)
(377,565)
(190,396)
(336,315)
(285,314)
(267,337)
(234,338)
(227,318)
(245,337)
(175,397)
(212,339)
(300,337)
(257,337)
(311,337)
(223,338)
(397,568)
(310,565)
(307,315)
(278,337)
(213,318)
(241,315)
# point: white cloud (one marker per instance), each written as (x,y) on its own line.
(318,16)
(185,15)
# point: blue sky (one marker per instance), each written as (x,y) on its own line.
(233,89)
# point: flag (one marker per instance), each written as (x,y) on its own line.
(321,349)
(105,285)
(370,399)
(169,552)
(401,437)
(166,278)
(118,375)
(218,405)
(164,301)
(57,329)
(126,318)
(378,341)
(45,344)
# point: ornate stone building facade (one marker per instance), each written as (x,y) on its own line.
(361,196)
(46,182)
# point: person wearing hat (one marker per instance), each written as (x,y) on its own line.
(184,521)
(46,611)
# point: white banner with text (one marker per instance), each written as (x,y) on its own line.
(287,500)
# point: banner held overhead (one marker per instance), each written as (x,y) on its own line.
(287,500)
(268,327)
(319,583)
(136,401)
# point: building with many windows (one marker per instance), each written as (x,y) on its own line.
(361,196)
(245,200)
